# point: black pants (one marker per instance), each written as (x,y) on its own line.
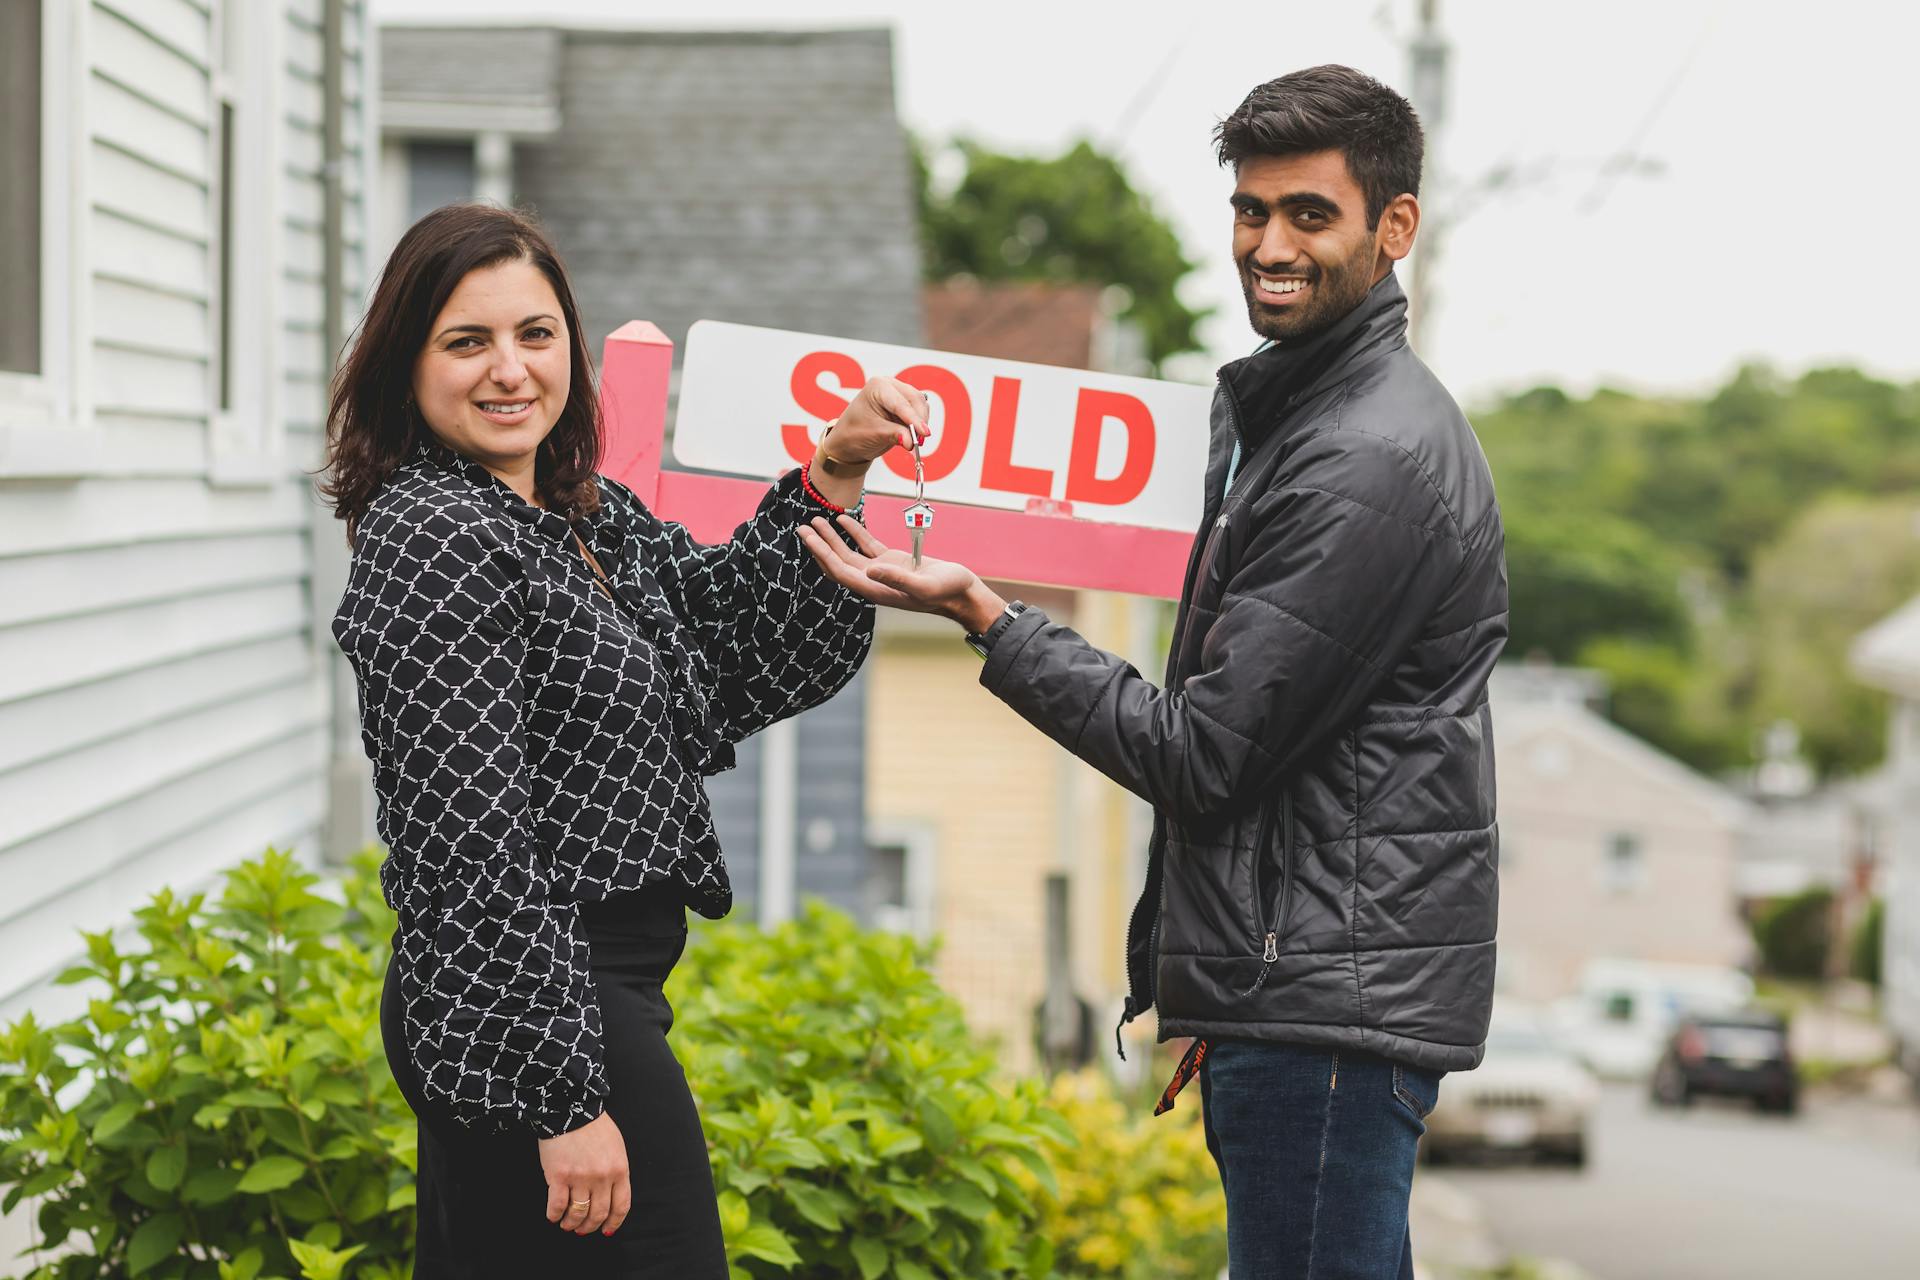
(482,1197)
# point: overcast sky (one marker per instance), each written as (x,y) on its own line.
(1777,225)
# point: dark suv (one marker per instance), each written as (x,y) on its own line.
(1741,1055)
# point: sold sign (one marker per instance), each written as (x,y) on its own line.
(1045,475)
(1004,434)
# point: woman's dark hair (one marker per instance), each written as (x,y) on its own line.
(372,423)
(1331,108)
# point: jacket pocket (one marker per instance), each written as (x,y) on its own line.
(1270,901)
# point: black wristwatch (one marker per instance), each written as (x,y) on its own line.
(982,642)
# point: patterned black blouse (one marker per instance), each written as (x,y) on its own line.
(536,745)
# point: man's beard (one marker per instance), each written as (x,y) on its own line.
(1332,292)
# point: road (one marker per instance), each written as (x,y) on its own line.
(1718,1191)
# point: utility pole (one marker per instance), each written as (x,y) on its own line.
(1427,57)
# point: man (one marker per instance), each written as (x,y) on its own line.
(1321,888)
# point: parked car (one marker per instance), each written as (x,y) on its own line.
(1741,1055)
(1531,1097)
(1625,1011)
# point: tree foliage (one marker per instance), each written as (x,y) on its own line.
(1715,557)
(1073,217)
(1795,935)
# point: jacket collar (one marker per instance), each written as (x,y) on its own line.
(1266,385)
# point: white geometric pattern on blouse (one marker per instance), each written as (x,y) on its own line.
(536,745)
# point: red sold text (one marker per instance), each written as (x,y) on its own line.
(1095,411)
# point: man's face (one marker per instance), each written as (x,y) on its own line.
(1301,239)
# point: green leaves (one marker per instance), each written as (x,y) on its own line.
(117,1117)
(167,1166)
(852,1118)
(156,1238)
(223,1097)
(271,1174)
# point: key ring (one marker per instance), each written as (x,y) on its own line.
(920,514)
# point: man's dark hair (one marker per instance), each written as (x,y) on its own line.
(1331,108)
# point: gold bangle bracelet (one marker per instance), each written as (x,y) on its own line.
(842,470)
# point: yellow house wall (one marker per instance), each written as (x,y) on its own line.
(1006,807)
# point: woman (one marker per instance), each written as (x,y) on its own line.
(546,671)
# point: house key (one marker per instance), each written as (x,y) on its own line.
(920,514)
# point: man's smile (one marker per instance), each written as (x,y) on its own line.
(1277,289)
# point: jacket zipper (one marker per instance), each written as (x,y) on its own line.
(1270,924)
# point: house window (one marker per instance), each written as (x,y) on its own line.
(438,173)
(20,177)
(896,889)
(245,255)
(1626,864)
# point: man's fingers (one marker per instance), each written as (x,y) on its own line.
(841,567)
(897,578)
(622,1202)
(863,538)
(830,541)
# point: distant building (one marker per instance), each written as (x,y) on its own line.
(1609,849)
(170,701)
(756,177)
(1887,656)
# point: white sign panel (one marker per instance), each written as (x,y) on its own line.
(1006,434)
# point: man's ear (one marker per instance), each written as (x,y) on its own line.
(1399,224)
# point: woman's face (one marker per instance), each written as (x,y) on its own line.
(496,368)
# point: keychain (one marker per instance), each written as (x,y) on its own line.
(920,514)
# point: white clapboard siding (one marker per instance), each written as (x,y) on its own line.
(41,519)
(164,709)
(104,579)
(70,651)
(144,443)
(177,25)
(134,122)
(135,54)
(128,247)
(181,840)
(143,192)
(66,720)
(134,378)
(63,791)
(138,316)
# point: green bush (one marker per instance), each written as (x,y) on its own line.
(1869,943)
(1139,1196)
(1794,935)
(223,1110)
(856,1127)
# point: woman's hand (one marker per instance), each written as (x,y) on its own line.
(886,414)
(877,420)
(871,570)
(586,1171)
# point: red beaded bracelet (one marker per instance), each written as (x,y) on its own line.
(806,482)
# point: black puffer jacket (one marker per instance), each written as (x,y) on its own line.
(1324,859)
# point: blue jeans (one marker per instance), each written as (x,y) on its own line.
(1315,1149)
